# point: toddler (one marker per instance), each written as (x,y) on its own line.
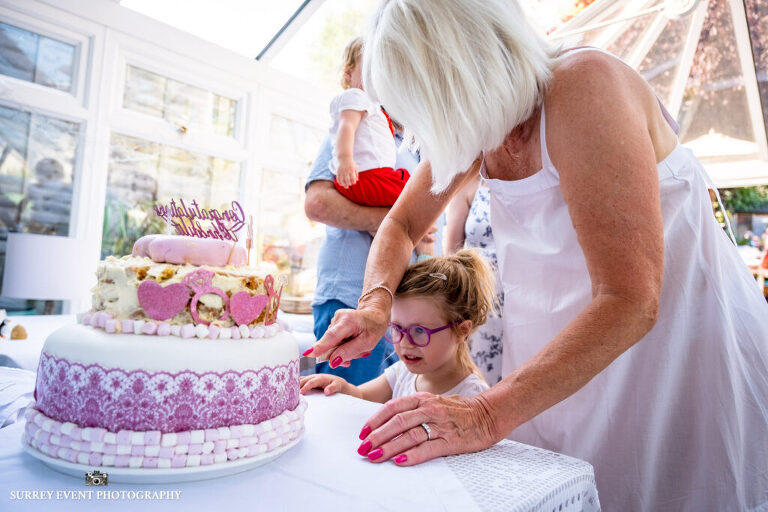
(362,137)
(437,305)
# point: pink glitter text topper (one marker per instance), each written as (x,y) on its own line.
(224,224)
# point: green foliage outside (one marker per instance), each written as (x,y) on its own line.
(745,199)
(124,224)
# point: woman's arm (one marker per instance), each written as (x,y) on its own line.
(354,333)
(610,184)
(456,217)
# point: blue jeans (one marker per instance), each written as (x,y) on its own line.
(361,370)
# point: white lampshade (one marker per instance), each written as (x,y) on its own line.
(44,267)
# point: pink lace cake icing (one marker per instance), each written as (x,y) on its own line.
(116,399)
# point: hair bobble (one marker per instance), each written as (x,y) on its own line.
(439,276)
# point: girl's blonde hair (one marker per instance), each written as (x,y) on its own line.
(467,292)
(353,52)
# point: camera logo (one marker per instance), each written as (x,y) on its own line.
(96,478)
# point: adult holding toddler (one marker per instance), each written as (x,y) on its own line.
(643,352)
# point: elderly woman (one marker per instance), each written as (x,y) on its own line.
(634,336)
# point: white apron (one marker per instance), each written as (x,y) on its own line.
(679,421)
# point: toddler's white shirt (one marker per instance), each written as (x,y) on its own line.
(374,143)
(403,383)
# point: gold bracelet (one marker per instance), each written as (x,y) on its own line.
(377,287)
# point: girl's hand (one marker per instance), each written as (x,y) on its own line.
(346,174)
(456,424)
(330,384)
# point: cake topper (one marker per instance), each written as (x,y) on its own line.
(223,224)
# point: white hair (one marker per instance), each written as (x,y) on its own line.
(458,74)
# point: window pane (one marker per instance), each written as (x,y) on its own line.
(714,119)
(314,52)
(35,58)
(295,138)
(660,65)
(142,173)
(37,158)
(177,102)
(36,170)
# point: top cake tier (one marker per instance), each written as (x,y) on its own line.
(181,281)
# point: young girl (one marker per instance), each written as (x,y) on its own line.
(362,137)
(437,305)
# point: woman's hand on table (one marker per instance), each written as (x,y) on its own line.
(456,425)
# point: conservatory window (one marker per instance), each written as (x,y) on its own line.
(35,58)
(142,173)
(177,102)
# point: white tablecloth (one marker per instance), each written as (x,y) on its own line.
(323,472)
(25,353)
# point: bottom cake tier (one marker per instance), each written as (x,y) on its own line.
(98,447)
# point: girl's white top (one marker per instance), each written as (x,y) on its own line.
(680,420)
(374,143)
(403,383)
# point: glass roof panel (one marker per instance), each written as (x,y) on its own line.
(242,26)
(314,51)
(714,119)
(757,20)
(660,65)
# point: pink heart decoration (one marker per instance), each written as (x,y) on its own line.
(245,308)
(162,303)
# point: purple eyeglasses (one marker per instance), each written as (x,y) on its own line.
(418,334)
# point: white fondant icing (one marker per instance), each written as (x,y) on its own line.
(88,345)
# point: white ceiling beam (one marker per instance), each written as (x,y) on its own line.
(686,60)
(746,58)
(644,46)
(287,31)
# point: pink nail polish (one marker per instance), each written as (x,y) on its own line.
(364,448)
(336,362)
(307,352)
(401,458)
(364,433)
(375,454)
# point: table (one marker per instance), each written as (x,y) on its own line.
(324,473)
(25,353)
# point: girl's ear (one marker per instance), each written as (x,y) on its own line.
(465,327)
